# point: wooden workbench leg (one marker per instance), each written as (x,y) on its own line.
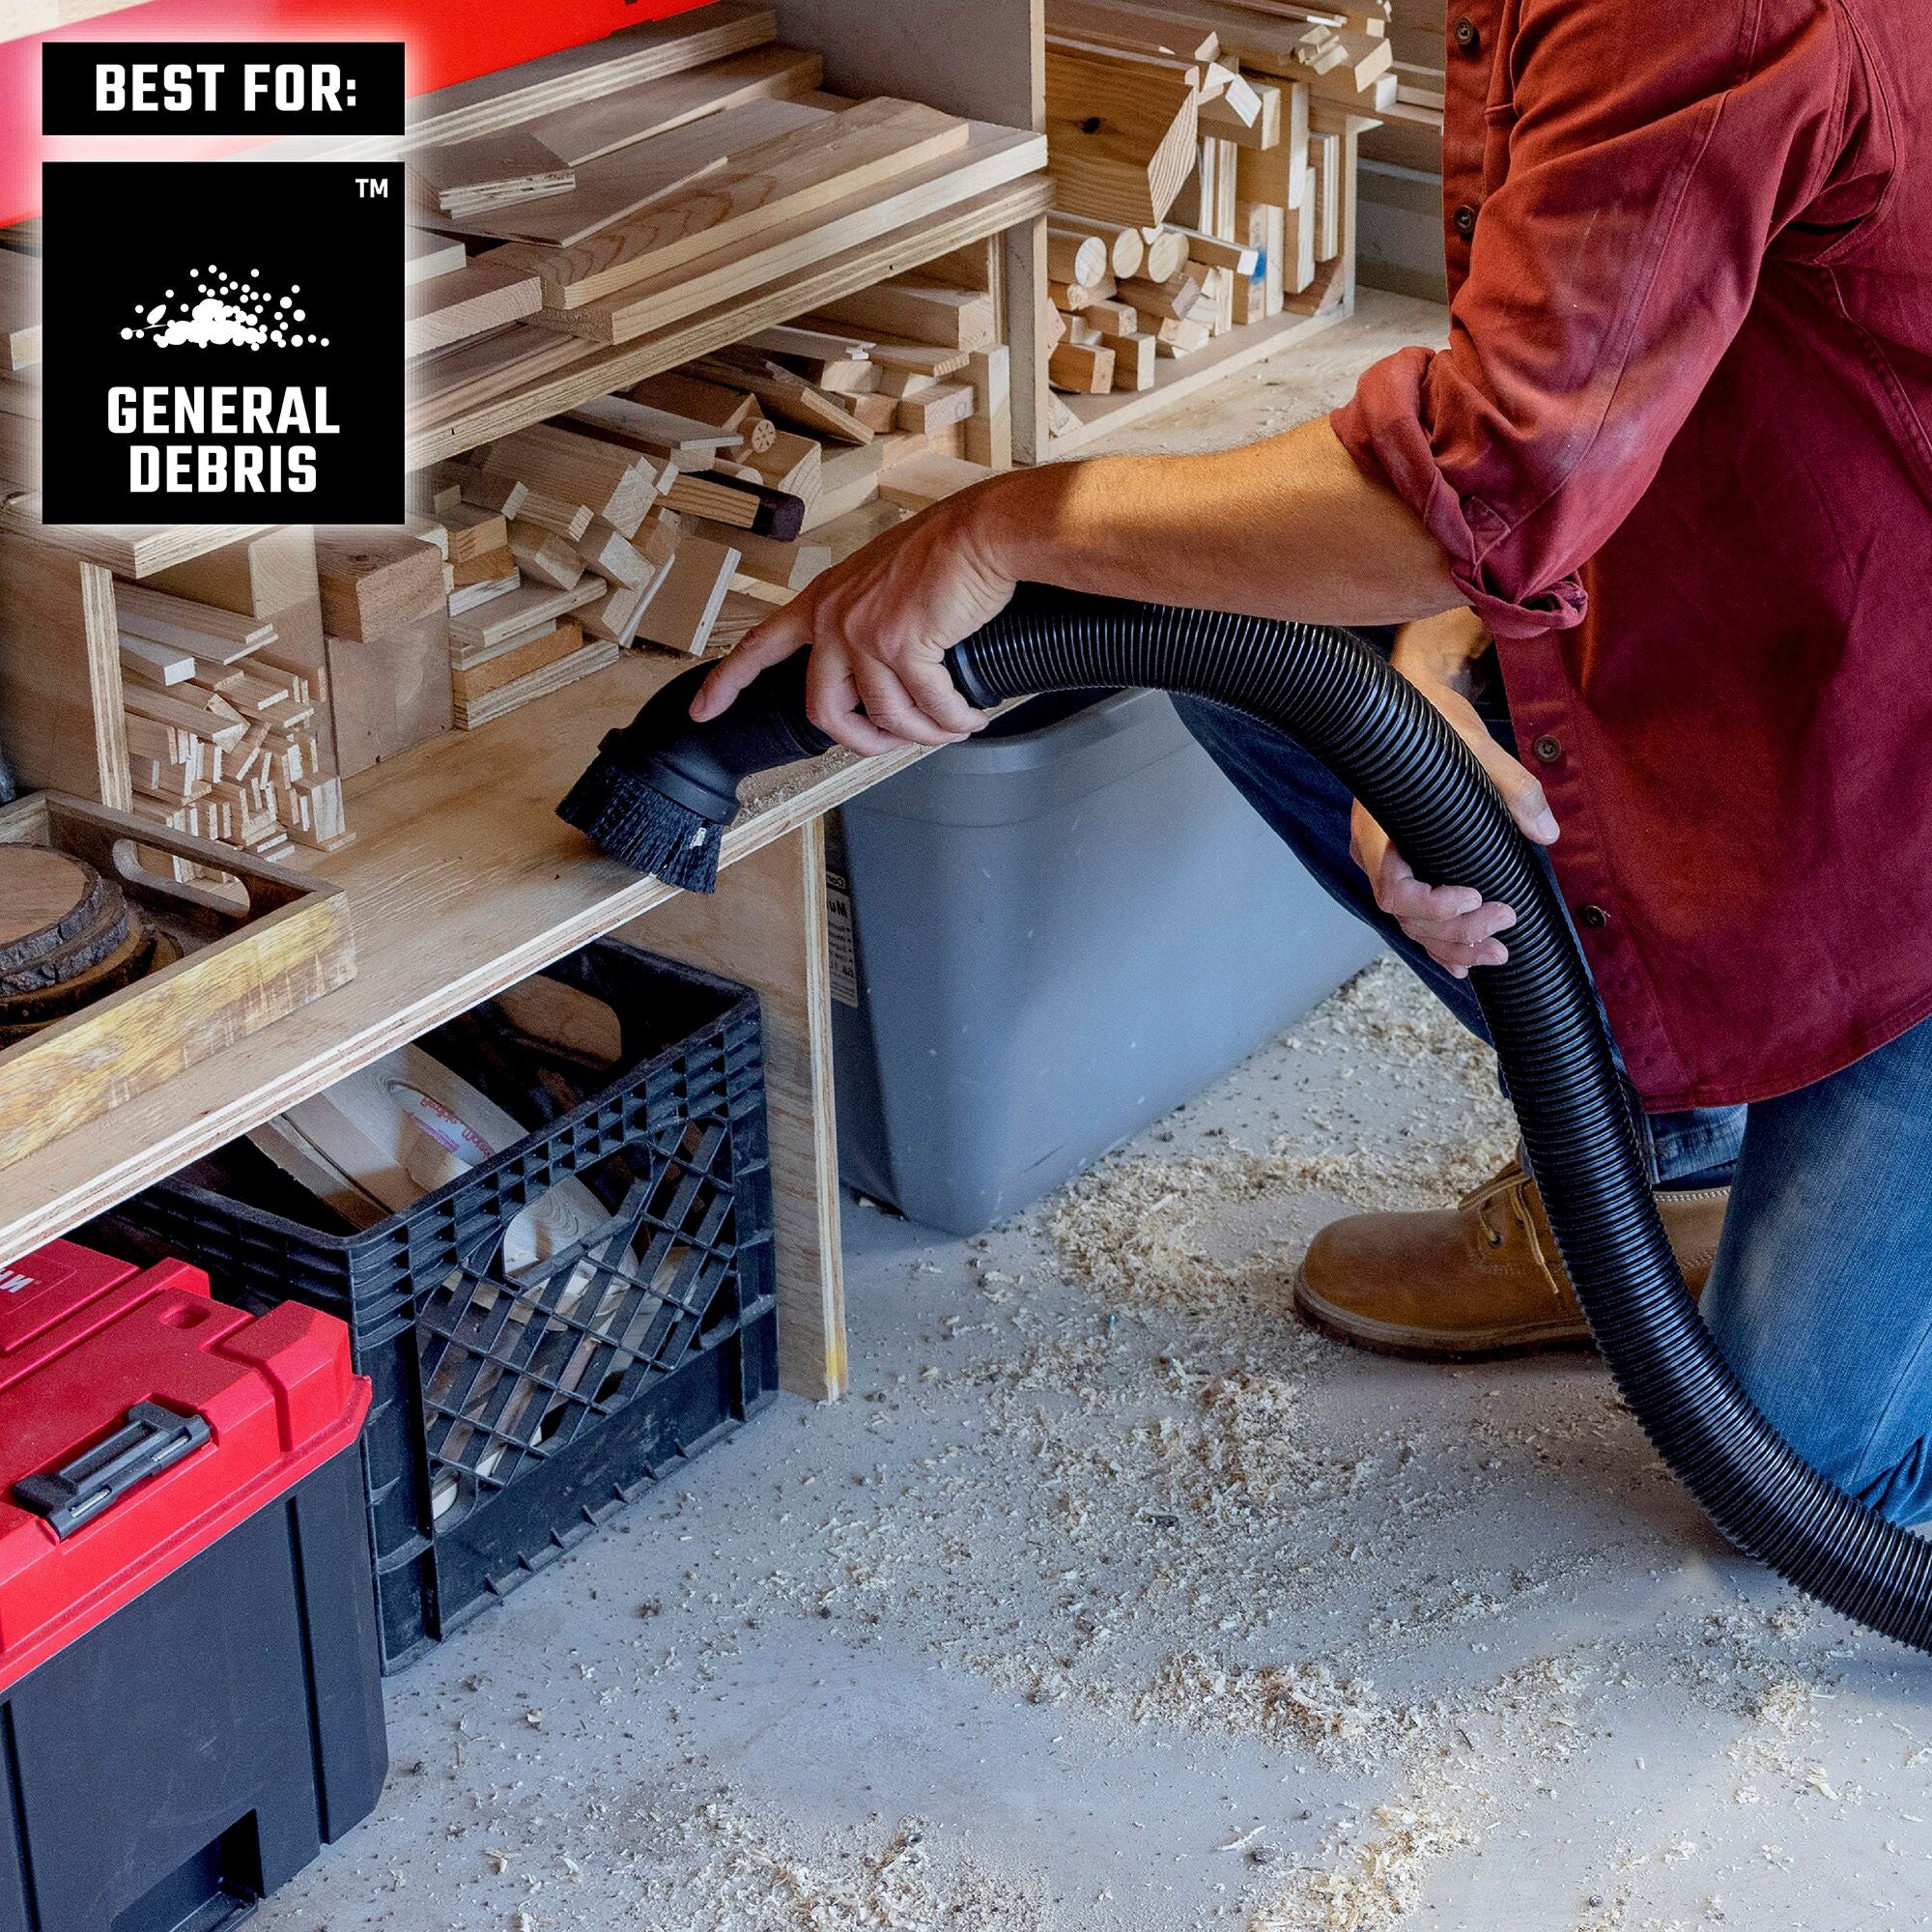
(765,927)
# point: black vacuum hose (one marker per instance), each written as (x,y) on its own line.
(1395,753)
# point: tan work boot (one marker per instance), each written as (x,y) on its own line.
(1480,1279)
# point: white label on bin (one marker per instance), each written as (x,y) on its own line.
(841,946)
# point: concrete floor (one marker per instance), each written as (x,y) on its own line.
(1112,1599)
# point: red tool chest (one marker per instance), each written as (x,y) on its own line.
(189,1703)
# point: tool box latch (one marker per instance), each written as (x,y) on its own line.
(149,1440)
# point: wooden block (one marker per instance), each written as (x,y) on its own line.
(935,408)
(474,532)
(959,319)
(792,566)
(482,296)
(1120,132)
(725,408)
(491,567)
(1297,250)
(1133,359)
(1125,248)
(544,557)
(615,619)
(612,556)
(467,596)
(1175,297)
(1324,157)
(508,665)
(1074,257)
(839,468)
(522,613)
(390,693)
(988,431)
(1085,371)
(592,656)
(926,479)
(1211,252)
(375,583)
(685,605)
(741,504)
(1071,297)
(566,520)
(791,462)
(154,664)
(874,414)
(1178,338)
(610,481)
(926,359)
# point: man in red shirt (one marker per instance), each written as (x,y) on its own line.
(1676,462)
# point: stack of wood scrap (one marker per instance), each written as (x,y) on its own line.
(1199,167)
(680,511)
(270,580)
(648,179)
(223,739)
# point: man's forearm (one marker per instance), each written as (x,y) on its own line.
(1287,528)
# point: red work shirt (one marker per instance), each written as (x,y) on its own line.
(1679,451)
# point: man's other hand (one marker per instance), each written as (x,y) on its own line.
(1453,925)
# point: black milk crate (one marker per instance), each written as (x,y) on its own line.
(515,1413)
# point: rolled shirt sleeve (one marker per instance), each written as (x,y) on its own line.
(1653,157)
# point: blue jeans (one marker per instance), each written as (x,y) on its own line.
(1819,1296)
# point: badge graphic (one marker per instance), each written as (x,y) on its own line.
(236,355)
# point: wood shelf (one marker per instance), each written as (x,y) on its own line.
(462,881)
(129,550)
(1175,382)
(601,370)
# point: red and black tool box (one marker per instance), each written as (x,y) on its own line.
(189,1678)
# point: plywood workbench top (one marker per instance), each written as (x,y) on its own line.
(463,880)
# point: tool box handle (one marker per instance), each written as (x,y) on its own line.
(151,1439)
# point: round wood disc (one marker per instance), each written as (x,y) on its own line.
(47,901)
(165,950)
(81,954)
(127,962)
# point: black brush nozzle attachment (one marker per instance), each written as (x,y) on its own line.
(662,790)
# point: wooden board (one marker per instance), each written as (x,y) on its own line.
(561,81)
(779,179)
(288,944)
(645,172)
(1123,135)
(782,250)
(61,718)
(450,381)
(684,605)
(390,695)
(482,296)
(426,256)
(375,581)
(654,107)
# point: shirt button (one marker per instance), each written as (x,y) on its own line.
(1466,36)
(1548,749)
(1466,222)
(1592,917)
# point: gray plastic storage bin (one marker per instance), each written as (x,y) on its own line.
(1044,940)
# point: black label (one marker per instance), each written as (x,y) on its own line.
(223,342)
(221,87)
